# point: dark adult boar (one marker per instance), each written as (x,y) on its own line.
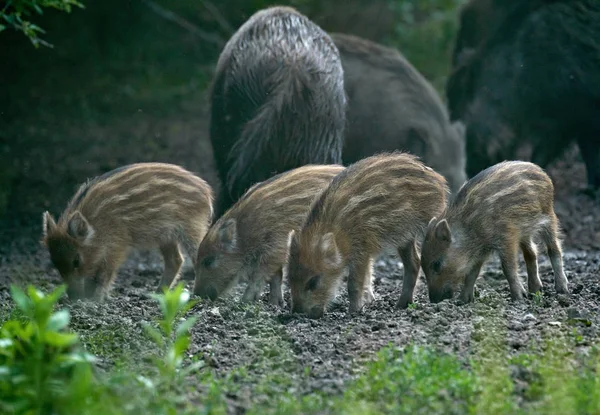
(478,20)
(392,107)
(539,75)
(278,101)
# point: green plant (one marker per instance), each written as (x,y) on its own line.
(538,298)
(42,367)
(173,342)
(15,14)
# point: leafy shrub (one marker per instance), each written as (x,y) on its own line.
(42,366)
(16,13)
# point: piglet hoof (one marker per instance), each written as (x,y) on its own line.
(562,289)
(276,300)
(518,296)
(355,308)
(368,297)
(535,288)
(466,298)
(404,301)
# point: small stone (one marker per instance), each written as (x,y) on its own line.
(555,323)
(215,312)
(529,317)
(573,313)
(378,326)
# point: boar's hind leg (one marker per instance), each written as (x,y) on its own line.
(360,273)
(276,289)
(368,294)
(255,287)
(190,243)
(509,259)
(550,238)
(534,284)
(173,260)
(411,261)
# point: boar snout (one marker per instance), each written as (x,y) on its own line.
(75,292)
(316,312)
(208,291)
(439,295)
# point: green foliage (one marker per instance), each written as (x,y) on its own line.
(43,369)
(419,380)
(495,387)
(425,33)
(174,342)
(41,366)
(16,14)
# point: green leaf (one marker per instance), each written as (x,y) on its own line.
(60,339)
(193,367)
(5,343)
(21,300)
(154,334)
(35,294)
(82,357)
(2,27)
(181,345)
(185,326)
(55,295)
(58,320)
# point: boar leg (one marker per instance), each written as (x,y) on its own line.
(255,287)
(173,261)
(190,243)
(590,152)
(509,259)
(534,284)
(368,294)
(550,238)
(467,295)
(276,289)
(412,262)
(359,274)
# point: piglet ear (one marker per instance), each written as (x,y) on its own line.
(79,228)
(228,234)
(48,224)
(431,223)
(442,231)
(292,239)
(329,251)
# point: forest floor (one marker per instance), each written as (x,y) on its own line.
(260,353)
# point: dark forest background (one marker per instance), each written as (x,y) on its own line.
(124,81)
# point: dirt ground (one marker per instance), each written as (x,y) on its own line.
(262,338)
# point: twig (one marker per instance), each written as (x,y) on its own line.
(220,19)
(181,22)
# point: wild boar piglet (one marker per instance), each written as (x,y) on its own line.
(503,208)
(250,239)
(144,205)
(379,204)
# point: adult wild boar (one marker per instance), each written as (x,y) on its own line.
(478,19)
(278,101)
(392,107)
(539,75)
